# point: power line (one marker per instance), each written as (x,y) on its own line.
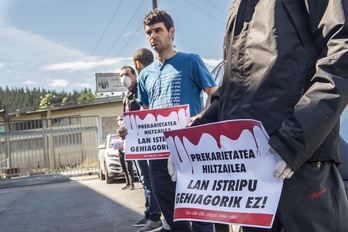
(207,13)
(117,39)
(124,47)
(100,39)
(112,18)
(128,42)
(223,12)
(112,46)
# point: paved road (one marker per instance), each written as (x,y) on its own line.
(57,203)
(82,203)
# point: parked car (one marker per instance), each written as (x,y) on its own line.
(109,158)
(218,72)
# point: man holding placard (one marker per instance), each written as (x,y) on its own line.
(286,65)
(174,79)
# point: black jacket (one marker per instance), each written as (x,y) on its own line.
(286,64)
(130,101)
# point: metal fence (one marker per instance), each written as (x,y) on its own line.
(66,145)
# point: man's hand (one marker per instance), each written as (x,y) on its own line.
(171,168)
(282,169)
(192,119)
(122,131)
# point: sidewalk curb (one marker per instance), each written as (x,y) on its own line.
(40,180)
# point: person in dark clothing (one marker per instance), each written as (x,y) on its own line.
(286,65)
(127,166)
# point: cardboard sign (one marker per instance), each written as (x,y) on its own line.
(145,139)
(224,173)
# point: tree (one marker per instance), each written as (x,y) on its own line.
(12,99)
(46,100)
(85,97)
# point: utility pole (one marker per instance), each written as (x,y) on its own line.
(49,146)
(154,4)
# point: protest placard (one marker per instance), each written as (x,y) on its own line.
(116,142)
(145,139)
(224,173)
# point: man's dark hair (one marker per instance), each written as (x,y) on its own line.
(144,56)
(130,67)
(159,16)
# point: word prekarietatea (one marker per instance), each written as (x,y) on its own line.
(156,143)
(157,127)
(223,155)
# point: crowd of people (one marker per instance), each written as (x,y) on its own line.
(286,65)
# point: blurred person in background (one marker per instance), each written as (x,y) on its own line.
(127,165)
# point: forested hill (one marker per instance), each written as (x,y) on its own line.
(17,98)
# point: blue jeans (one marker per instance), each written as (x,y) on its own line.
(153,211)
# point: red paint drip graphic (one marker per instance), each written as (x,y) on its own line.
(164,112)
(232,130)
(140,115)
